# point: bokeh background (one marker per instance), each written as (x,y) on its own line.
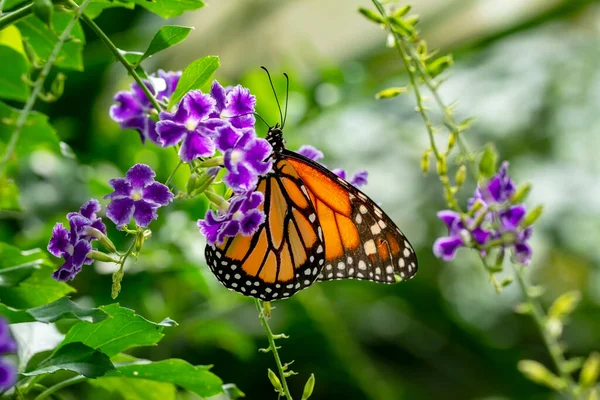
(528,70)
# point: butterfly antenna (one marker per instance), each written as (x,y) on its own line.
(287,94)
(262,119)
(275,93)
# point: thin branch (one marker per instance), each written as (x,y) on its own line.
(60,385)
(38,86)
(14,16)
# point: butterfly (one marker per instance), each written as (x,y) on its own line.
(318,227)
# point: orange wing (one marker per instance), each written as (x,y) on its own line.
(287,252)
(361,241)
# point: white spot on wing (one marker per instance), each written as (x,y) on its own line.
(370,247)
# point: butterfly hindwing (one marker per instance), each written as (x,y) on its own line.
(361,241)
(287,252)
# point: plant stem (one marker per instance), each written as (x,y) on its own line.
(14,16)
(117,53)
(539,317)
(273,348)
(60,385)
(173,173)
(38,86)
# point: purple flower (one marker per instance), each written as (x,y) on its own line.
(74,245)
(7,343)
(246,157)
(498,189)
(357,180)
(8,375)
(192,125)
(133,110)
(242,216)
(235,105)
(136,195)
(446,246)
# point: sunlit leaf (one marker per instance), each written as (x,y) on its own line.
(76,357)
(166,37)
(123,330)
(42,40)
(14,67)
(170,8)
(194,76)
(136,389)
(196,379)
(60,309)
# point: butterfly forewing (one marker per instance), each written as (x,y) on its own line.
(361,241)
(287,252)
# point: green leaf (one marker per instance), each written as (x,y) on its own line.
(95,7)
(36,134)
(170,8)
(123,330)
(26,278)
(14,67)
(60,309)
(194,76)
(488,162)
(166,37)
(232,391)
(135,389)
(196,379)
(11,37)
(42,40)
(76,357)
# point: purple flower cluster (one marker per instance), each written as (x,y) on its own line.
(491,216)
(133,110)
(75,244)
(8,373)
(359,179)
(136,195)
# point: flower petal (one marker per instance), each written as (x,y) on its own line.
(252,201)
(226,137)
(251,222)
(310,152)
(445,247)
(256,153)
(198,105)
(80,252)
(126,108)
(90,208)
(139,94)
(449,218)
(119,211)
(59,242)
(144,213)
(157,193)
(511,218)
(239,101)
(523,253)
(218,93)
(8,375)
(339,172)
(196,145)
(360,178)
(121,187)
(241,181)
(170,133)
(171,79)
(140,175)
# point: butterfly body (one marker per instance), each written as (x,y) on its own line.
(318,227)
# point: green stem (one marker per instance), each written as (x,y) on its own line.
(273,348)
(118,275)
(38,86)
(173,173)
(14,16)
(117,53)
(539,317)
(60,385)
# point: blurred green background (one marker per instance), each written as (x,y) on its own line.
(528,71)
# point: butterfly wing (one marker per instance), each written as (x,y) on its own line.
(286,254)
(361,241)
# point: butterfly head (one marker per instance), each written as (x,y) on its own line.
(275,138)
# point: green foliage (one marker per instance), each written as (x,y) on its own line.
(196,379)
(42,40)
(488,164)
(136,389)
(194,76)
(9,197)
(15,68)
(76,357)
(60,309)
(124,329)
(166,37)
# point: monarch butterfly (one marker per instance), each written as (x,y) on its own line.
(318,227)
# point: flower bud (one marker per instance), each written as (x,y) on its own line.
(191,183)
(488,162)
(538,373)
(402,11)
(102,238)
(442,167)
(451,141)
(523,308)
(58,85)
(425,162)
(390,93)
(521,193)
(532,216)
(275,381)
(590,370)
(309,387)
(438,65)
(564,305)
(371,15)
(99,256)
(461,175)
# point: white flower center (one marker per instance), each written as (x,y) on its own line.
(191,125)
(136,194)
(237,216)
(70,249)
(236,155)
